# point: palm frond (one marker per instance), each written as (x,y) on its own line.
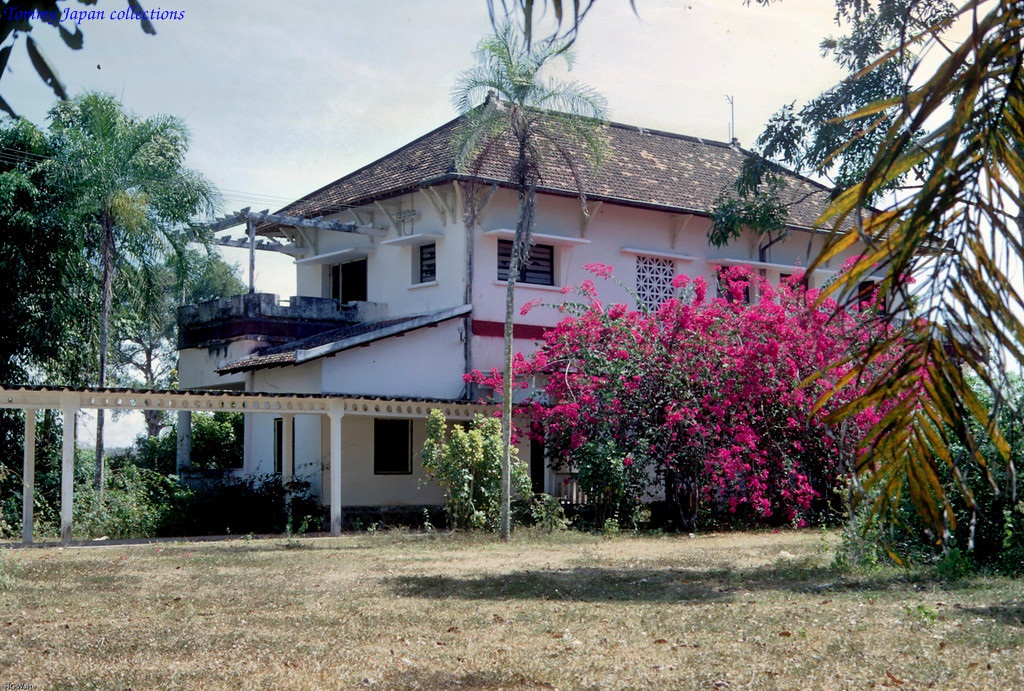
(961,234)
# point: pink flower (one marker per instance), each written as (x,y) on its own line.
(598,269)
(529,306)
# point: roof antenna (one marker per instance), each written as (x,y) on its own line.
(733,142)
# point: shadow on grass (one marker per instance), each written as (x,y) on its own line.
(1008,614)
(480,679)
(602,584)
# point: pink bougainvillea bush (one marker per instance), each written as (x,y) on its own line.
(706,403)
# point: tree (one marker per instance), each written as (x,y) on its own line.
(936,157)
(543,123)
(46,311)
(701,398)
(828,136)
(145,325)
(124,182)
(43,274)
(958,132)
(21,16)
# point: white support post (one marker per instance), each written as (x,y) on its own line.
(334,418)
(251,228)
(67,470)
(28,476)
(184,455)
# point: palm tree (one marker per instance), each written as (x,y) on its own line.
(506,104)
(126,185)
(961,229)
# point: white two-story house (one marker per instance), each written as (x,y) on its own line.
(395,308)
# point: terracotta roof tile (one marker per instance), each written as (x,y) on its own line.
(642,167)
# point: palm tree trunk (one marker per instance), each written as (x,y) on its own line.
(506,391)
(108,291)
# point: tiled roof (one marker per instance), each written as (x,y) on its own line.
(642,167)
(336,340)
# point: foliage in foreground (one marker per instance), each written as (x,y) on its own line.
(466,463)
(989,533)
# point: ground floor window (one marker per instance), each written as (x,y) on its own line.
(392,447)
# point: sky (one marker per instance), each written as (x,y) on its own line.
(282,98)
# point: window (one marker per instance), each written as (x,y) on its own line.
(866,290)
(348,281)
(723,293)
(654,281)
(427,263)
(538,270)
(279,446)
(392,447)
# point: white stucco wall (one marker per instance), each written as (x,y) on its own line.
(427,362)
(360,486)
(615,236)
(393,257)
(197,366)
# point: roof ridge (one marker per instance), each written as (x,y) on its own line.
(357,171)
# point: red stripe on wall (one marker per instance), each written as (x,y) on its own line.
(490,329)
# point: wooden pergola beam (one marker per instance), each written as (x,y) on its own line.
(246,215)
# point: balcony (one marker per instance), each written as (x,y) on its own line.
(264,317)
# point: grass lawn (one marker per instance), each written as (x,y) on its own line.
(406,610)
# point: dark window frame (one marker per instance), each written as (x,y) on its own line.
(388,445)
(351,285)
(538,271)
(428,263)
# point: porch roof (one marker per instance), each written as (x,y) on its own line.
(25,397)
(338,340)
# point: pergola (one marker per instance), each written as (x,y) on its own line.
(334,406)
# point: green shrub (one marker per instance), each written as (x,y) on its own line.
(137,502)
(217,440)
(467,465)
(613,485)
(548,514)
(239,506)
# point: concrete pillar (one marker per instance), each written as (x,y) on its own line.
(184,456)
(28,477)
(334,418)
(67,471)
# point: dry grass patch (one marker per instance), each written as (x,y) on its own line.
(403,610)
